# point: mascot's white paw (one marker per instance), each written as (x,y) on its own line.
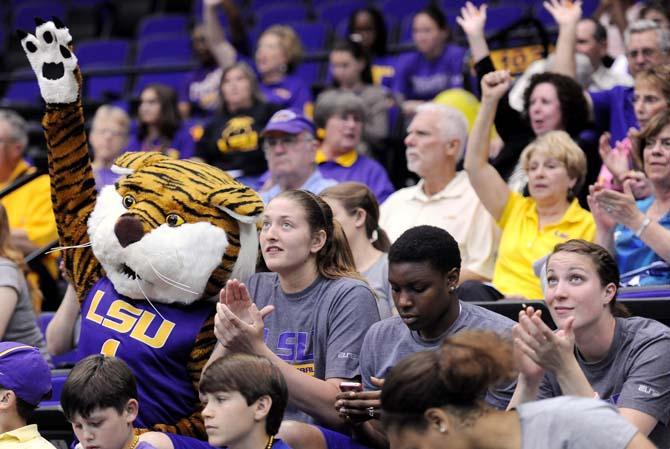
(52,61)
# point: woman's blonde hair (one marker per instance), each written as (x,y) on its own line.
(560,146)
(290,44)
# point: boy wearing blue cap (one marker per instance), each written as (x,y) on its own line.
(290,149)
(25,379)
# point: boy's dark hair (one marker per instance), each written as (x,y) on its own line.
(252,376)
(24,409)
(427,244)
(97,381)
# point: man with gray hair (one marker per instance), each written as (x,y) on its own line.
(29,208)
(647,46)
(436,139)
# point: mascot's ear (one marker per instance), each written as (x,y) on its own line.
(240,202)
(130,162)
(245,206)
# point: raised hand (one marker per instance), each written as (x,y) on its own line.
(620,206)
(50,56)
(472,19)
(237,335)
(639,183)
(617,159)
(564,12)
(546,349)
(603,221)
(531,371)
(496,84)
(236,296)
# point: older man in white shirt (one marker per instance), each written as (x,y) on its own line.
(443,197)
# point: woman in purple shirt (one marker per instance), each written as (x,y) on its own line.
(437,65)
(159,125)
(278,53)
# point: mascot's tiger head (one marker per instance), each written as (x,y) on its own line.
(174,230)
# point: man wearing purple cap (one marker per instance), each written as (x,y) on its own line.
(25,379)
(290,149)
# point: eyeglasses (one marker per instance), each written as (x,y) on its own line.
(645,52)
(287,141)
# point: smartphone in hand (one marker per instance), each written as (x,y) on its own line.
(351,386)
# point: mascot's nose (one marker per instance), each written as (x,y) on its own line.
(128,229)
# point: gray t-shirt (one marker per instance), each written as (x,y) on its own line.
(318,330)
(22,325)
(378,277)
(390,340)
(570,422)
(635,373)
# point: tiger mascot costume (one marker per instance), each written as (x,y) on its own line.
(146,254)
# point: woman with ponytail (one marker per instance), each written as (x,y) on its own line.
(598,351)
(17,315)
(432,400)
(356,208)
(309,313)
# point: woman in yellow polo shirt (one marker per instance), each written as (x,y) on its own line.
(531,226)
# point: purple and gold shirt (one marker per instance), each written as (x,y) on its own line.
(157,348)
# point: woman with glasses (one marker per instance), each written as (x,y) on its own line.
(108,137)
(638,232)
(340,119)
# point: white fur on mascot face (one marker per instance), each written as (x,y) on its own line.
(172,259)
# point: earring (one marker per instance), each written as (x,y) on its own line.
(442,429)
(452,288)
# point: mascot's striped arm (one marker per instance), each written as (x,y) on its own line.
(72,191)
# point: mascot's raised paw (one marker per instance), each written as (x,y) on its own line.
(52,60)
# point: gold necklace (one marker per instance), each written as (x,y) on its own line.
(271,440)
(135,442)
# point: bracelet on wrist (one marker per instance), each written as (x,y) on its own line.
(643,226)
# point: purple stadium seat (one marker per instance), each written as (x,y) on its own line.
(309,72)
(313,36)
(400,9)
(22,91)
(103,54)
(161,24)
(333,12)
(105,51)
(500,17)
(24,14)
(165,48)
(280,14)
(173,79)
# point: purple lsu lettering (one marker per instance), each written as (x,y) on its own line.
(292,347)
(125,318)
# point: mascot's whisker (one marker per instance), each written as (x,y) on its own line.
(148,300)
(59,248)
(171,282)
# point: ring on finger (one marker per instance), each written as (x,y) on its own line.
(371,412)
